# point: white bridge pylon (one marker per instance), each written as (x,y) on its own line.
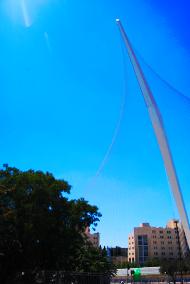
(158,126)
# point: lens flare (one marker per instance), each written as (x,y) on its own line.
(24,11)
(24,8)
(48,42)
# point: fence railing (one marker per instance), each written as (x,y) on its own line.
(60,277)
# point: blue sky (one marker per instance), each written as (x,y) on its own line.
(62,88)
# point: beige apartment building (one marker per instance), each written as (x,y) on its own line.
(147,242)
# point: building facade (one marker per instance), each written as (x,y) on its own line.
(147,242)
(94,239)
(183,243)
(118,255)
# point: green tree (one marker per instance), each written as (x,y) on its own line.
(152,262)
(127,265)
(95,259)
(175,268)
(170,268)
(40,227)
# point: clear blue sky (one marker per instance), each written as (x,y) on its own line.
(62,85)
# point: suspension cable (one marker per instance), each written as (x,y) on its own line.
(164,81)
(118,124)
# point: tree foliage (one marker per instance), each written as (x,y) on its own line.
(170,268)
(40,228)
(174,268)
(153,262)
(127,265)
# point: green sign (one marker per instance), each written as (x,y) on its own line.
(137,274)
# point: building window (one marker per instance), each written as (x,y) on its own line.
(155,253)
(162,243)
(161,232)
(143,248)
(142,240)
(171,253)
(153,232)
(161,237)
(163,248)
(168,232)
(163,253)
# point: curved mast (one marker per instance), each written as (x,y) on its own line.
(158,126)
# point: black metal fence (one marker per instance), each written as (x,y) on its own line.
(150,280)
(60,277)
